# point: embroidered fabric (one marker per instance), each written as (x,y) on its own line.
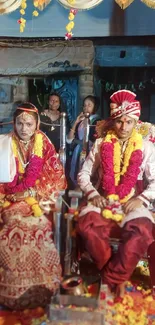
(30,268)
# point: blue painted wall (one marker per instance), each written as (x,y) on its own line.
(105,20)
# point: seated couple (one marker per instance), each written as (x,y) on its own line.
(119,197)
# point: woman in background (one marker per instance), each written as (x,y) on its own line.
(76,134)
(50,119)
(30,269)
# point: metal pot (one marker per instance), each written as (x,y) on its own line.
(73,286)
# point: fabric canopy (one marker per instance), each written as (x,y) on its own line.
(80,4)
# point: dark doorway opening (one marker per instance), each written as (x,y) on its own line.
(67,87)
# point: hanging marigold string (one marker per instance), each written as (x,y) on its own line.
(28,174)
(70,25)
(38,5)
(21,21)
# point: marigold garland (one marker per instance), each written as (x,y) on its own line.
(35,206)
(32,172)
(22,21)
(38,5)
(38,149)
(118,183)
(70,25)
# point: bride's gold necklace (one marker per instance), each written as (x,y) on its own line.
(26,145)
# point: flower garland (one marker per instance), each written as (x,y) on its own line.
(70,25)
(30,173)
(38,4)
(22,21)
(118,184)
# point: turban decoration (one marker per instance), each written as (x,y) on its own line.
(123,103)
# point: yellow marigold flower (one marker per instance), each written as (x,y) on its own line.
(14,147)
(6,204)
(128,300)
(71,16)
(23,21)
(118,318)
(37,210)
(144,129)
(23,5)
(139,288)
(114,197)
(149,299)
(22,11)
(107,213)
(35,13)
(68,28)
(21,28)
(117,217)
(72,24)
(35,3)
(35,206)
(38,145)
(31,200)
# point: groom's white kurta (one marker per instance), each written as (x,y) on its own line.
(93,167)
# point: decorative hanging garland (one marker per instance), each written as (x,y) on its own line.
(70,25)
(74,5)
(38,5)
(22,21)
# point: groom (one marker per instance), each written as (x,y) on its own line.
(119,200)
